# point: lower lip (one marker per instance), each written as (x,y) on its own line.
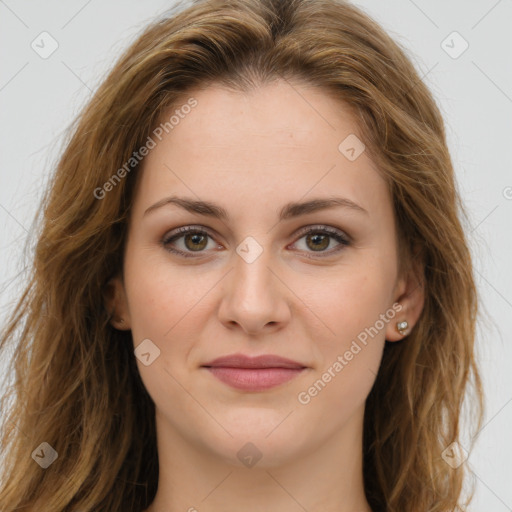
(254,379)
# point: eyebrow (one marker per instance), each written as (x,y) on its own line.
(290,210)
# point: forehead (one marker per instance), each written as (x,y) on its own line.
(282,139)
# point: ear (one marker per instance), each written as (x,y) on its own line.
(114,297)
(410,294)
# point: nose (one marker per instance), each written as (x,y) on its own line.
(255,298)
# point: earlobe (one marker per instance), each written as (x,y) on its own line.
(411,296)
(398,329)
(115,302)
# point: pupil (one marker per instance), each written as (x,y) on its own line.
(317,238)
(196,240)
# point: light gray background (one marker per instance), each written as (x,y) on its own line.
(39,97)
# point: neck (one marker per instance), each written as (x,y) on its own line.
(328,478)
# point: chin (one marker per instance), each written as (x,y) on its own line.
(260,438)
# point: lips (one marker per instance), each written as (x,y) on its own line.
(254,373)
(243,361)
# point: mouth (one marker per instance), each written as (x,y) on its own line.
(254,373)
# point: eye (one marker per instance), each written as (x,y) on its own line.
(195,239)
(319,239)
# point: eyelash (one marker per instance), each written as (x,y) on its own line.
(324,230)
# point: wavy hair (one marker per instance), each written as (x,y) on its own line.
(75,384)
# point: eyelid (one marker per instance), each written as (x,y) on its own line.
(339,235)
(323,227)
(178,233)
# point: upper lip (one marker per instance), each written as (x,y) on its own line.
(264,361)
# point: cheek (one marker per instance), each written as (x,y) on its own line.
(352,299)
(158,296)
(357,312)
(333,396)
(167,305)
(151,304)
(162,308)
(355,307)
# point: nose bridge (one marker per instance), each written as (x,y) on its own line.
(253,297)
(253,276)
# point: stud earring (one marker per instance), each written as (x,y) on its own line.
(402,327)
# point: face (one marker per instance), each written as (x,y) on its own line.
(318,286)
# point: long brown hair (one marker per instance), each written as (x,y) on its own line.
(75,382)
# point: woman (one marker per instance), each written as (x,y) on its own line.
(251,289)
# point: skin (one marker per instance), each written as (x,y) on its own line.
(252,153)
